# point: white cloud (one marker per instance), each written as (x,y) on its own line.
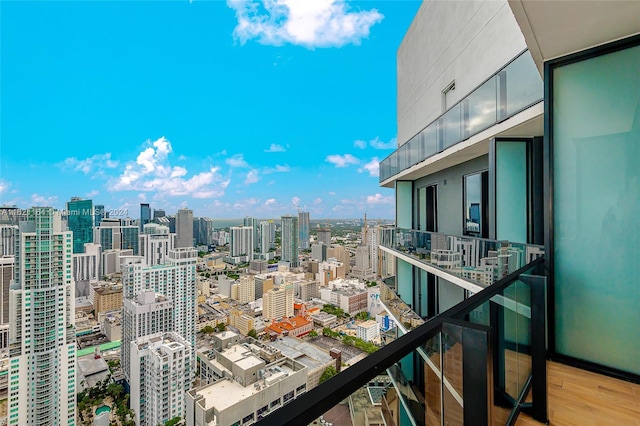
(249,202)
(378,144)
(317,201)
(94,163)
(252,177)
(379,199)
(360,144)
(270,201)
(277,169)
(42,201)
(308,23)
(92,194)
(275,148)
(295,201)
(342,160)
(152,171)
(4,186)
(332,193)
(236,161)
(372,167)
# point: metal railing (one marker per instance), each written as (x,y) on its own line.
(512,89)
(466,355)
(478,260)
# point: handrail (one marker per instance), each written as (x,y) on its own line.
(317,401)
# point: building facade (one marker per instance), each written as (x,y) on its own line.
(42,371)
(304,227)
(289,240)
(184,228)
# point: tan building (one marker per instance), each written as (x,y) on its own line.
(243,322)
(106,297)
(278,303)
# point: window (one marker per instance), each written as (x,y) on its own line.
(475,203)
(448,96)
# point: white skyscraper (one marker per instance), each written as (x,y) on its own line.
(184,228)
(177,281)
(42,372)
(241,241)
(155,244)
(159,371)
(145,314)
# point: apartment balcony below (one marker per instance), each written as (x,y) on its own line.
(471,263)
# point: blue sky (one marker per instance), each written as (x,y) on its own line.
(228,108)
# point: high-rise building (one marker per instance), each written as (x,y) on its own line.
(7,240)
(158,213)
(112,234)
(42,372)
(145,215)
(304,225)
(142,315)
(324,236)
(184,228)
(241,241)
(278,302)
(255,225)
(247,290)
(86,265)
(155,244)
(80,220)
(160,376)
(99,213)
(203,230)
(289,238)
(6,275)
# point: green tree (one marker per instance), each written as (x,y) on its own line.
(220,327)
(313,333)
(173,422)
(328,373)
(253,333)
(207,329)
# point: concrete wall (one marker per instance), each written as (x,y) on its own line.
(449,194)
(465,41)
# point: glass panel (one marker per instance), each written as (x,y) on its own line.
(404,204)
(430,140)
(413,400)
(449,295)
(451,126)
(473,204)
(511,191)
(422,208)
(482,107)
(517,337)
(522,83)
(596,167)
(453,412)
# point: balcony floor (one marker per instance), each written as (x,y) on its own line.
(579,397)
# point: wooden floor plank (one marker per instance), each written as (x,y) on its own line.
(581,398)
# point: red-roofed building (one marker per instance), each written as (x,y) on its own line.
(294,326)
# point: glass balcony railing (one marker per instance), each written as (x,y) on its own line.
(478,260)
(481,362)
(512,89)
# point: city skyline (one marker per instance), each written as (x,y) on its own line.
(203,105)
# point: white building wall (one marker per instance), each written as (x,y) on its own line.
(448,41)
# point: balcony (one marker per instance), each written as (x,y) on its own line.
(472,263)
(512,89)
(481,360)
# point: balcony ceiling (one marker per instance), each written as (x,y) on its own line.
(555,28)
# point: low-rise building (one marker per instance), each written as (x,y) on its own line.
(368,330)
(247,387)
(294,326)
